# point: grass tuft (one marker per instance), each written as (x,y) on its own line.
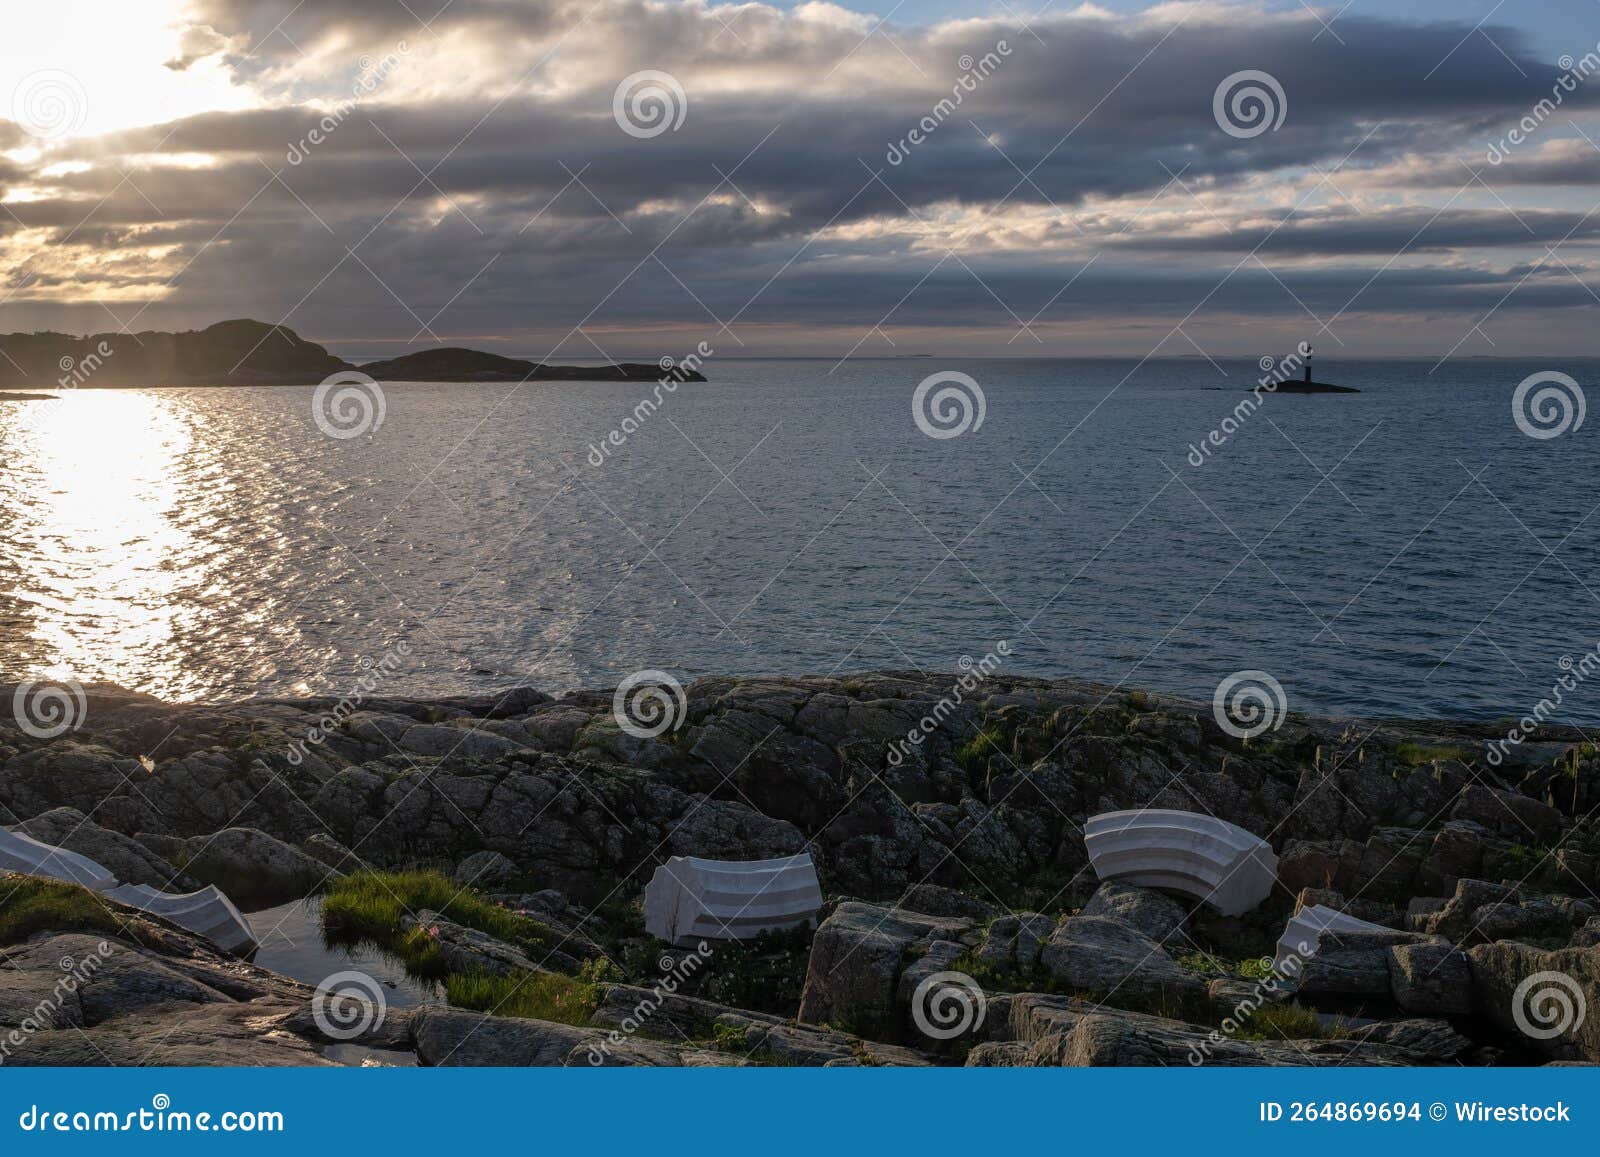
(1276,1022)
(372,906)
(29,904)
(534,995)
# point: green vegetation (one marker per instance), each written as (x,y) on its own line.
(372,906)
(1202,962)
(1274,1022)
(1255,967)
(29,904)
(1415,755)
(534,995)
(1139,700)
(764,973)
(728,1038)
(973,755)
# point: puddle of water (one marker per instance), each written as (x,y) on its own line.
(291,944)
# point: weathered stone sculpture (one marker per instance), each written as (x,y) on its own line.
(20,853)
(1197,855)
(690,899)
(207,913)
(1301,934)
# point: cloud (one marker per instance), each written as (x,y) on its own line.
(458,169)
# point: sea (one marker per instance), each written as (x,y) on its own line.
(1424,548)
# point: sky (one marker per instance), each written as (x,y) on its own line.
(631,178)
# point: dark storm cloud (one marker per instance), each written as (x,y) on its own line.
(488,165)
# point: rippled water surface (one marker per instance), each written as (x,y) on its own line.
(1403,551)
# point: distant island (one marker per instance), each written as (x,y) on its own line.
(254,353)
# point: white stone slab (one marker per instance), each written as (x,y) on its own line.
(206,913)
(690,899)
(1302,934)
(24,854)
(1178,851)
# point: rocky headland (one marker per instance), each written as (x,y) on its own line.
(515,833)
(253,353)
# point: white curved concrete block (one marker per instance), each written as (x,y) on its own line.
(20,853)
(1302,934)
(207,913)
(1178,851)
(690,899)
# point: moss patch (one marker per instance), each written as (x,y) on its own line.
(29,905)
(1415,755)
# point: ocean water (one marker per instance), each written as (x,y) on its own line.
(1407,551)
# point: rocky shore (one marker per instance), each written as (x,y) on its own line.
(963,854)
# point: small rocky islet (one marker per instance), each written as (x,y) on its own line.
(515,833)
